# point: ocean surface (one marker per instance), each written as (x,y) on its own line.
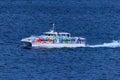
(96,20)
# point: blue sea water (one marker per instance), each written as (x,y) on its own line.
(96,20)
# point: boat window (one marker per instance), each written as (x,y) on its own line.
(63,34)
(47,34)
(53,34)
(59,35)
(50,34)
(68,35)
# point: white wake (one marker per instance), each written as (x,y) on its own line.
(113,44)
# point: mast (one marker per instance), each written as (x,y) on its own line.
(53,27)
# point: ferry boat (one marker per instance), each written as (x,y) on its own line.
(53,39)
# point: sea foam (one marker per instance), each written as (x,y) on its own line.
(112,44)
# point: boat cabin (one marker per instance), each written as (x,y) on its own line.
(64,34)
(61,34)
(50,33)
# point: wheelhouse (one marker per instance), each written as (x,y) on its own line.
(64,34)
(50,33)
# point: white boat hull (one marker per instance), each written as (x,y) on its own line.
(58,45)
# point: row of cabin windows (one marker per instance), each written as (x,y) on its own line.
(50,34)
(58,35)
(64,35)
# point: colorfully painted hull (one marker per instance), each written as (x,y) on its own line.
(59,45)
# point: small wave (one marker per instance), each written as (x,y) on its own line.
(113,44)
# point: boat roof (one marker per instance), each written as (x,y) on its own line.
(64,33)
(82,38)
(52,32)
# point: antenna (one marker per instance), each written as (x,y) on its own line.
(53,27)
